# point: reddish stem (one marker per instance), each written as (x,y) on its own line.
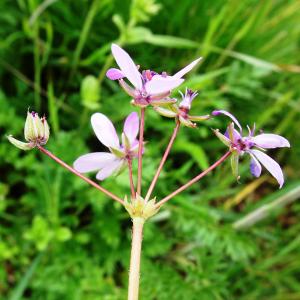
(89,181)
(131,178)
(140,153)
(163,160)
(198,177)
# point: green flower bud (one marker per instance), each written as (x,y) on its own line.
(36,129)
(36,132)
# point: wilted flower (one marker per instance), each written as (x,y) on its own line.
(182,111)
(149,87)
(108,163)
(36,132)
(250,144)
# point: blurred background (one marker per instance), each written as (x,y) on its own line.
(60,239)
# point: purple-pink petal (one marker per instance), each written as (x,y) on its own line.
(110,169)
(255,166)
(186,102)
(270,164)
(127,66)
(187,98)
(131,127)
(186,69)
(228,114)
(114,74)
(105,131)
(160,85)
(135,147)
(93,161)
(268,141)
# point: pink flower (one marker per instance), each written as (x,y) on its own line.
(108,163)
(149,87)
(252,145)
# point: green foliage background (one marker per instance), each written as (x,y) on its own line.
(60,239)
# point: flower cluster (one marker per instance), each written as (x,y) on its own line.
(149,88)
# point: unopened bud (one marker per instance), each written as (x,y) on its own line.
(36,132)
(36,129)
(187,99)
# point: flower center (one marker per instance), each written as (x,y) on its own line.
(243,144)
(183,111)
(147,75)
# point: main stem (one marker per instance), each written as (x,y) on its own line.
(140,153)
(195,179)
(131,178)
(163,160)
(135,258)
(89,181)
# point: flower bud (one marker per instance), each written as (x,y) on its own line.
(36,129)
(36,132)
(187,99)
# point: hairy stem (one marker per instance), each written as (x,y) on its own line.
(140,153)
(131,178)
(89,181)
(163,160)
(195,179)
(135,258)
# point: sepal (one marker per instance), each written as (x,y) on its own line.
(235,164)
(139,208)
(222,137)
(125,141)
(118,153)
(19,144)
(199,118)
(186,122)
(165,112)
(163,101)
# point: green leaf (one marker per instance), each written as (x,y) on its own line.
(39,233)
(63,234)
(18,291)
